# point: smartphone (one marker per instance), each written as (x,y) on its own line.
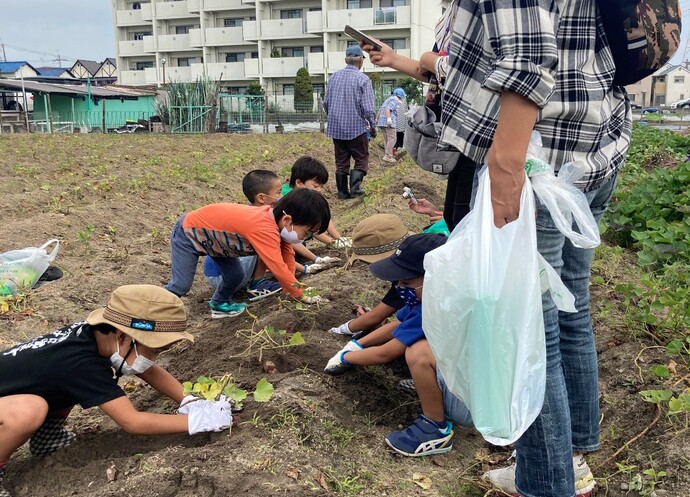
(407,193)
(361,37)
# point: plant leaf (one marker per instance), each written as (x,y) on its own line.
(297,339)
(263,391)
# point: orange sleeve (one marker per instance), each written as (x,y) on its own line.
(278,256)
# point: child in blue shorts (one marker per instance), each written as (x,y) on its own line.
(427,435)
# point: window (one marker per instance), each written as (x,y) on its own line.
(136,6)
(140,35)
(318,49)
(233,23)
(352,43)
(182,30)
(185,61)
(291,14)
(395,43)
(393,3)
(292,52)
(234,57)
(319,88)
(236,90)
(288,89)
(140,66)
(358,4)
(679,80)
(384,16)
(254,55)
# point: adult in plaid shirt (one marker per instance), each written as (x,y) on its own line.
(349,103)
(543,65)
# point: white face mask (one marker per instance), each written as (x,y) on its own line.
(140,364)
(290,236)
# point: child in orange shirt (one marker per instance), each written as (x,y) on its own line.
(226,231)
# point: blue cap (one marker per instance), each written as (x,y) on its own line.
(354,51)
(407,261)
(399,92)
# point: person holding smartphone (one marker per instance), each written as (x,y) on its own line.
(432,68)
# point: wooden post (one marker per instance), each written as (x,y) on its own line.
(50,114)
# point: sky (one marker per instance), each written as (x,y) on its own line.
(40,31)
(71,29)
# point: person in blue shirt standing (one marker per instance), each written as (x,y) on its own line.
(387,122)
(349,104)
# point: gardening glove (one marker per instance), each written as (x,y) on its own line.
(316,299)
(337,364)
(327,261)
(341,243)
(389,122)
(343,329)
(207,415)
(187,400)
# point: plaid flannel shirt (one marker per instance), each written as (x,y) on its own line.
(349,103)
(552,52)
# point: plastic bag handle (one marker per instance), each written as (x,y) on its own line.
(53,253)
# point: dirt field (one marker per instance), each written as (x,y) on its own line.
(112,199)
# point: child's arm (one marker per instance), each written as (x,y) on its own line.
(379,354)
(332,230)
(324,238)
(163,382)
(303,251)
(380,335)
(132,421)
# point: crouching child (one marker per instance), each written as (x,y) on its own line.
(42,379)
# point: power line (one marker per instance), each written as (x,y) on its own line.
(56,57)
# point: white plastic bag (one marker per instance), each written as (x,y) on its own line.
(482,316)
(565,203)
(20,269)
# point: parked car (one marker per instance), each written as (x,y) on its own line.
(650,110)
(635,105)
(681,104)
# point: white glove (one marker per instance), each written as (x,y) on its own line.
(341,243)
(185,401)
(337,365)
(327,261)
(389,122)
(343,329)
(316,299)
(207,415)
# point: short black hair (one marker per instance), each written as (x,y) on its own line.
(257,181)
(306,168)
(307,208)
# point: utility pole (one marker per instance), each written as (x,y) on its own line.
(4,56)
(59,59)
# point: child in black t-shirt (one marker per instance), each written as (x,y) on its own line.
(42,379)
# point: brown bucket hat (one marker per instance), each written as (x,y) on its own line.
(151,315)
(376,237)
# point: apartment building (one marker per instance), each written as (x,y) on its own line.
(267,41)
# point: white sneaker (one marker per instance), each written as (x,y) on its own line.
(504,478)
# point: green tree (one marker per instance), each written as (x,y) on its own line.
(254,88)
(377,85)
(304,91)
(413,89)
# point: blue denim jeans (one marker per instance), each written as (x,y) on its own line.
(185,258)
(248,264)
(569,419)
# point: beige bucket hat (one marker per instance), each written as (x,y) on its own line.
(376,237)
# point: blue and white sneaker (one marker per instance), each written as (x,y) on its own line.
(422,438)
(226,309)
(262,288)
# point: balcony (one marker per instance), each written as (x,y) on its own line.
(251,31)
(219,71)
(129,18)
(211,5)
(173,42)
(251,68)
(315,22)
(178,74)
(193,6)
(172,10)
(282,67)
(130,48)
(132,78)
(146,12)
(315,62)
(369,19)
(149,44)
(216,37)
(280,29)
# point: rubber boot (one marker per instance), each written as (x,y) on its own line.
(356,177)
(341,184)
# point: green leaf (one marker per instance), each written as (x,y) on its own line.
(656,396)
(263,391)
(675,405)
(235,394)
(674,347)
(205,380)
(299,306)
(660,371)
(187,387)
(297,339)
